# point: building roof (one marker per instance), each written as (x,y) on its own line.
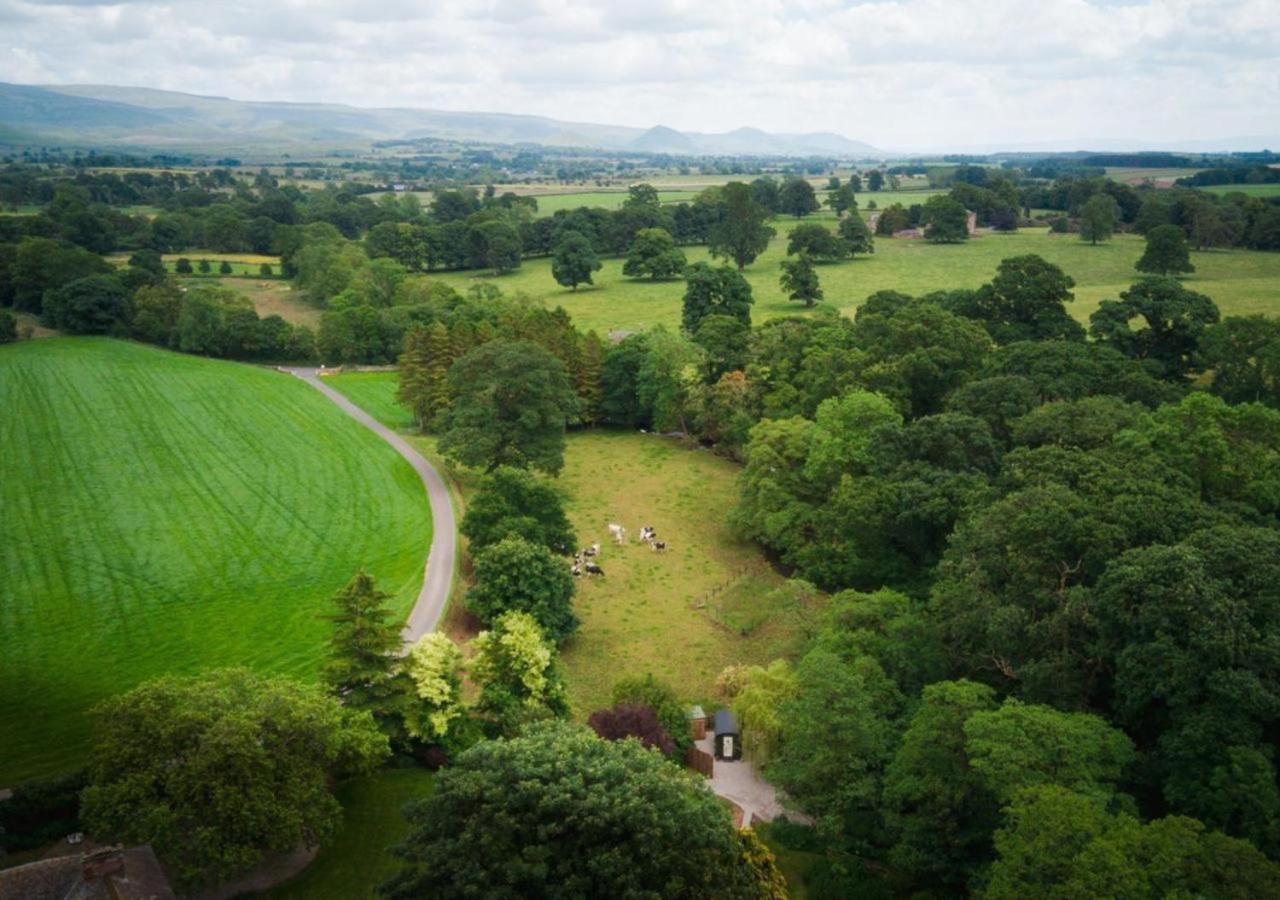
(695,712)
(725,722)
(63,878)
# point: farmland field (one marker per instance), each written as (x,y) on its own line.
(1239,281)
(679,615)
(1249,190)
(244,265)
(167,513)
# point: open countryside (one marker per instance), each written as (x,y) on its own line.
(1241,282)
(549,451)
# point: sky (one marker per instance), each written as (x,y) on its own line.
(899,74)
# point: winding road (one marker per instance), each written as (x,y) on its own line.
(437,578)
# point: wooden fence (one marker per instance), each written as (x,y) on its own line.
(700,761)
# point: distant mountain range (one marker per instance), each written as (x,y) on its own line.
(106,115)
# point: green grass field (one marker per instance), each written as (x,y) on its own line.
(1240,281)
(165,514)
(552,203)
(652,612)
(354,865)
(375,393)
(1250,190)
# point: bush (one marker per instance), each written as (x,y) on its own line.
(8,327)
(225,268)
(183,266)
(265,270)
(632,720)
(669,708)
(41,811)
(204,267)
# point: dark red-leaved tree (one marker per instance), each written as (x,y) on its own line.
(632,720)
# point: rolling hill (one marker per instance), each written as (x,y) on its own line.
(138,117)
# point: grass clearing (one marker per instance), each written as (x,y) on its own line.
(357,861)
(678,614)
(1239,281)
(168,514)
(375,393)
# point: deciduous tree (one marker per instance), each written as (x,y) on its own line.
(573,260)
(1166,252)
(1098,218)
(800,280)
(513,502)
(739,232)
(250,759)
(511,401)
(714,291)
(496,825)
(517,575)
(654,253)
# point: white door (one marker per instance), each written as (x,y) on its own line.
(728,746)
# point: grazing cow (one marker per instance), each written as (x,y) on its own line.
(588,552)
(618,532)
(659,546)
(577,570)
(593,569)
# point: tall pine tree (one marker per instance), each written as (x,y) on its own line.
(414,361)
(588,377)
(361,668)
(439,358)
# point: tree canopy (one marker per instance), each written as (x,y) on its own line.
(218,771)
(497,825)
(511,402)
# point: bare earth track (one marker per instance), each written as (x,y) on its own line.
(437,579)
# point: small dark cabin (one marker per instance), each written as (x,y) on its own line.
(728,741)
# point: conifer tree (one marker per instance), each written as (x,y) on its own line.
(360,669)
(414,362)
(439,352)
(588,378)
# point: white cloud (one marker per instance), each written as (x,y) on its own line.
(895,72)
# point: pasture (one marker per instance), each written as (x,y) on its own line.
(1239,281)
(1249,190)
(549,204)
(679,614)
(166,514)
(358,860)
(242,264)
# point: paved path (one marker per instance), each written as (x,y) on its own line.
(738,781)
(437,578)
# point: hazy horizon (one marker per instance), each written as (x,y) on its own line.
(915,74)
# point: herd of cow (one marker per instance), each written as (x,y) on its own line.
(584,561)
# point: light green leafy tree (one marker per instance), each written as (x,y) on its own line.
(433,668)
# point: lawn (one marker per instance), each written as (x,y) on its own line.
(165,514)
(357,861)
(679,614)
(1240,281)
